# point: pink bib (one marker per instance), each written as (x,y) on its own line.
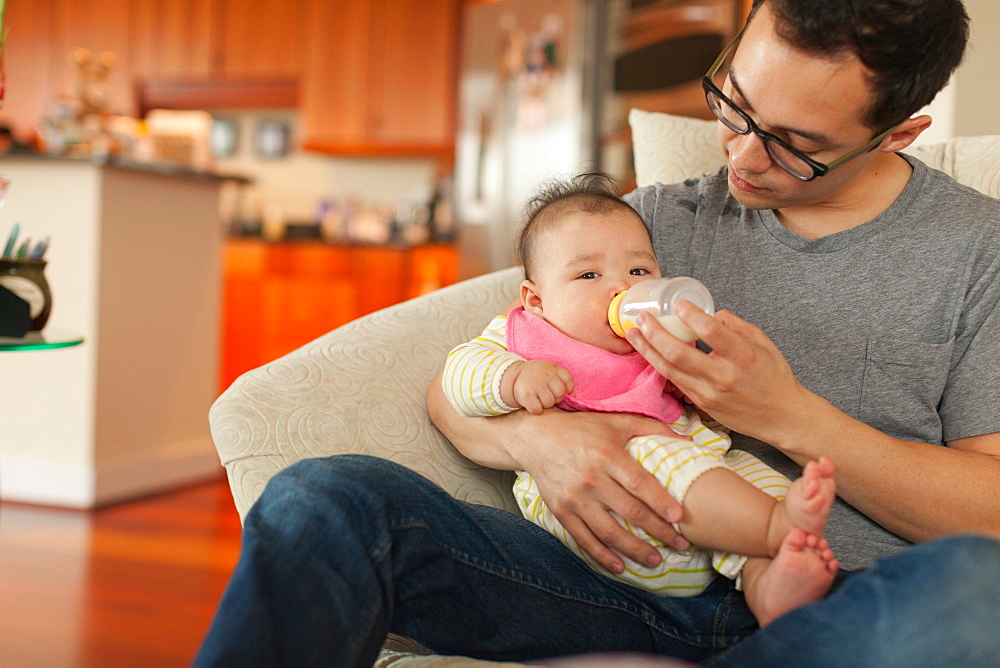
(603,381)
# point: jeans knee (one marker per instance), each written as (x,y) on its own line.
(358,473)
(971,563)
(322,489)
(955,570)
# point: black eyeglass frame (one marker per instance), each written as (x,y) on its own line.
(819,168)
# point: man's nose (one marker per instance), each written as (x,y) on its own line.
(748,153)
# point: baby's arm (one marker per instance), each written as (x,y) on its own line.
(482,378)
(535,385)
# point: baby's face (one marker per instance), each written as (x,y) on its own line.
(584,260)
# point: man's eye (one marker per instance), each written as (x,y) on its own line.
(589,274)
(639,271)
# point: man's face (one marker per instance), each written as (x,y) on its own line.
(813,103)
(585,259)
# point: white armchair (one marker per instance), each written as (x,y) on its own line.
(360,389)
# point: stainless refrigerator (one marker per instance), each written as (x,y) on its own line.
(545,88)
(531,83)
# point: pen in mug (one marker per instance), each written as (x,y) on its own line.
(38,252)
(11,240)
(22,251)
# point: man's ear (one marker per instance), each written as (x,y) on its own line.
(531,299)
(906,133)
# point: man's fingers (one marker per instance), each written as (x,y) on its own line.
(678,362)
(725,332)
(592,545)
(645,503)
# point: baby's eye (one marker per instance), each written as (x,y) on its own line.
(639,271)
(589,275)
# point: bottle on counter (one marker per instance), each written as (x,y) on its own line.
(273,222)
(658,297)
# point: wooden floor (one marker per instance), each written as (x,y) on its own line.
(129,585)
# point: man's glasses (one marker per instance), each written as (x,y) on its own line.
(790,159)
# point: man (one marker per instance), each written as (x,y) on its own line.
(872,283)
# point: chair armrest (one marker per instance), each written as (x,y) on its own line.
(361,390)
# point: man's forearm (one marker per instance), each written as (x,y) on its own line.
(484,440)
(916,490)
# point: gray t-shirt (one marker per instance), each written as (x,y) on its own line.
(894,321)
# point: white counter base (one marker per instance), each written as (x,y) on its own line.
(134,266)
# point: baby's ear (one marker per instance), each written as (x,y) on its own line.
(531,299)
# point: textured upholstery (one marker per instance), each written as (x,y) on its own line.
(360,388)
(972,161)
(669,149)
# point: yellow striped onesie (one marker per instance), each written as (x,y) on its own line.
(471,381)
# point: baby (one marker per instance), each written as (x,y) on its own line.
(581,246)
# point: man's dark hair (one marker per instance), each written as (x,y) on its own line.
(911,46)
(591,192)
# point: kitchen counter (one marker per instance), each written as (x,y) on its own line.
(160,168)
(134,267)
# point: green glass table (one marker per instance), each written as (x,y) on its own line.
(44,340)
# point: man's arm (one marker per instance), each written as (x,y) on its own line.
(916,490)
(579,463)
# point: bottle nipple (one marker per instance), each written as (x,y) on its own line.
(617,326)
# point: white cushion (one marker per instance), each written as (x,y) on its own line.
(972,161)
(670,149)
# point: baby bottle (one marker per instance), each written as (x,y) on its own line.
(657,297)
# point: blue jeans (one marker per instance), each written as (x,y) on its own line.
(340,551)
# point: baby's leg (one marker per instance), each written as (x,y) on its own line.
(803,567)
(679,574)
(801,573)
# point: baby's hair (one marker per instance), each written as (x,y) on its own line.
(590,192)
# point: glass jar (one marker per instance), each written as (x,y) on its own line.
(26,279)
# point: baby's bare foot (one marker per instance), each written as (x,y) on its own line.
(801,573)
(809,499)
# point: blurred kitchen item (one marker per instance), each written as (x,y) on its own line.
(26,279)
(181,137)
(371,225)
(273,221)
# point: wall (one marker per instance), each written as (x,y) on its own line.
(970,104)
(300,180)
(977,86)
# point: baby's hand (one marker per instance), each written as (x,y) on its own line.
(535,385)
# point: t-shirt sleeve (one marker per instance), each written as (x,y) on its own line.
(970,405)
(473,371)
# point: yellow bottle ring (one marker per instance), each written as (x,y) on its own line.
(617,326)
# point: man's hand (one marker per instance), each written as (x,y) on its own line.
(535,385)
(581,468)
(579,463)
(745,382)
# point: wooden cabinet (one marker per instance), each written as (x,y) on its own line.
(279,297)
(98,26)
(377,78)
(263,39)
(154,40)
(177,39)
(26,62)
(381,77)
